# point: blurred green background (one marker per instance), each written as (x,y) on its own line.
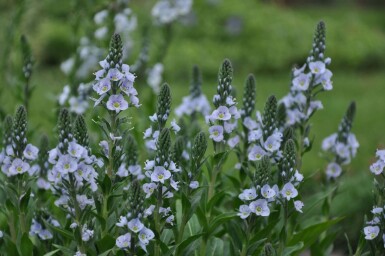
(262,37)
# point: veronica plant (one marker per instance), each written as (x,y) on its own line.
(17,158)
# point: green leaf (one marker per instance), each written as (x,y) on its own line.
(291,249)
(24,200)
(220,220)
(52,253)
(310,234)
(187,242)
(106,185)
(64,249)
(105,244)
(11,248)
(213,201)
(62,232)
(26,246)
(215,247)
(106,253)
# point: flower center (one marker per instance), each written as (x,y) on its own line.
(116,104)
(19,168)
(258,209)
(67,166)
(288,192)
(160,176)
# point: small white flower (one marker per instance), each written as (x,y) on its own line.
(298,205)
(273,142)
(135,225)
(146,235)
(216,133)
(102,86)
(254,135)
(114,74)
(18,166)
(244,211)
(75,149)
(149,210)
(267,192)
(160,174)
(301,82)
(329,142)
(149,188)
(377,210)
(259,207)
(377,167)
(117,103)
(289,191)
(232,142)
(175,127)
(371,232)
(221,113)
(194,184)
(66,164)
(333,170)
(30,152)
(87,234)
(317,67)
(248,194)
(256,153)
(124,241)
(170,220)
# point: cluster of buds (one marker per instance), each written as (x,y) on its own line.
(224,119)
(115,81)
(196,102)
(342,145)
(17,157)
(312,78)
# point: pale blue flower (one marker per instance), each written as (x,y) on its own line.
(146,235)
(194,184)
(371,232)
(289,191)
(149,188)
(267,192)
(18,166)
(254,135)
(317,67)
(259,207)
(160,174)
(117,103)
(216,133)
(232,142)
(248,194)
(31,152)
(244,211)
(298,205)
(114,74)
(301,82)
(124,241)
(377,167)
(221,113)
(333,170)
(273,142)
(135,225)
(102,86)
(66,164)
(256,153)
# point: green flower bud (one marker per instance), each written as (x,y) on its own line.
(163,146)
(289,160)
(64,129)
(43,155)
(177,150)
(225,78)
(346,123)
(7,130)
(319,45)
(249,97)
(196,83)
(80,131)
(19,131)
(115,53)
(281,115)
(199,147)
(131,150)
(263,172)
(164,105)
(269,116)
(27,57)
(136,199)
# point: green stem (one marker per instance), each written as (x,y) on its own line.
(282,243)
(157,220)
(111,145)
(12,230)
